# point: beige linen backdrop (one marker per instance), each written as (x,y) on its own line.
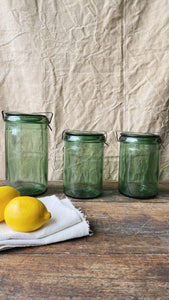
(96,64)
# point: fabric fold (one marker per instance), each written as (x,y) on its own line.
(66,222)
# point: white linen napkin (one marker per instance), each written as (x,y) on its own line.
(66,222)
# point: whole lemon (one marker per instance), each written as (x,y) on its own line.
(7,193)
(26,214)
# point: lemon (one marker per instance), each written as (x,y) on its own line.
(26,214)
(6,194)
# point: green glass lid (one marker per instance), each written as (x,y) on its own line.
(78,135)
(83,133)
(27,118)
(139,136)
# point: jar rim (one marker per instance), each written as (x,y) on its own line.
(85,136)
(25,117)
(83,133)
(141,135)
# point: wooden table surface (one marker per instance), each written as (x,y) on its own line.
(126,258)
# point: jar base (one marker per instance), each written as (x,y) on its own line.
(80,196)
(29,188)
(138,191)
(82,192)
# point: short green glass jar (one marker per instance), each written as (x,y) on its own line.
(139,164)
(26,151)
(83,163)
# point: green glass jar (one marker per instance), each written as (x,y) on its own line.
(26,152)
(139,164)
(83,163)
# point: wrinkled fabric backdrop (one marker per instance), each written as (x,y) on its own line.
(98,65)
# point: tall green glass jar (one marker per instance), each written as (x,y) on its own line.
(139,164)
(26,152)
(83,163)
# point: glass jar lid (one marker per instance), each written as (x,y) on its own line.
(83,136)
(27,118)
(140,137)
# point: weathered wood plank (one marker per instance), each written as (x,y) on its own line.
(100,244)
(116,276)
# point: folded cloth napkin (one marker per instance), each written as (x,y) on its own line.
(66,222)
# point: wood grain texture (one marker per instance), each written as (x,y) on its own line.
(126,258)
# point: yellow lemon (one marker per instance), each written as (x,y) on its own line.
(7,193)
(26,214)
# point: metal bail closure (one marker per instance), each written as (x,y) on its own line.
(49,116)
(63,133)
(50,119)
(118,132)
(105,138)
(3,114)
